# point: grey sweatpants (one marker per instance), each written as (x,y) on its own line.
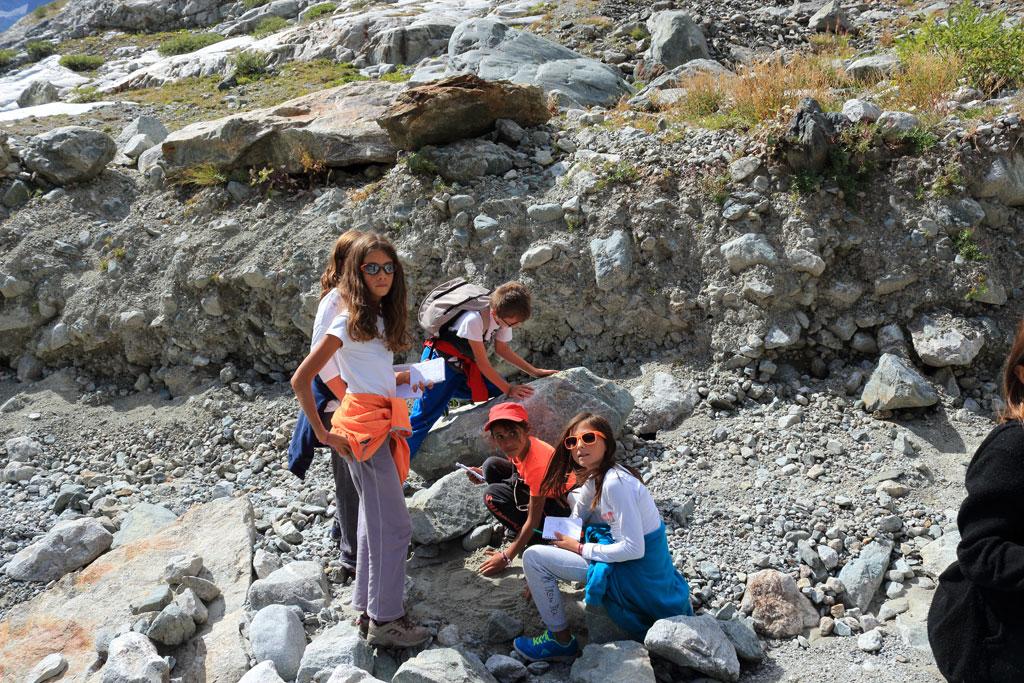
(346,510)
(545,566)
(384,532)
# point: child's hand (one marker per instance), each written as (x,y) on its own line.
(544,373)
(567,542)
(494,564)
(478,478)
(339,444)
(402,377)
(519,391)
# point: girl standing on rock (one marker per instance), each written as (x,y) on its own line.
(328,389)
(622,554)
(975,625)
(370,431)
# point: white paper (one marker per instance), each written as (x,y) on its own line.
(567,526)
(429,372)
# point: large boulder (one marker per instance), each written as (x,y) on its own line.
(696,643)
(302,584)
(625,660)
(460,437)
(335,127)
(443,665)
(84,17)
(49,70)
(864,575)
(72,154)
(450,508)
(830,18)
(68,546)
(895,384)
(459,107)
(141,134)
(64,618)
(675,39)
(497,52)
(662,401)
(143,521)
(276,634)
(778,607)
(132,657)
(1002,178)
(944,341)
(39,92)
(810,136)
(466,160)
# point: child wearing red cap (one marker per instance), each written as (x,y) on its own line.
(514,482)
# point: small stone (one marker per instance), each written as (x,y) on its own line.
(501,627)
(870,641)
(50,666)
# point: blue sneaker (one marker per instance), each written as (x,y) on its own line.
(544,648)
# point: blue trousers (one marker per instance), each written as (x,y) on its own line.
(432,404)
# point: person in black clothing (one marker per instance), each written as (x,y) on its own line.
(976,620)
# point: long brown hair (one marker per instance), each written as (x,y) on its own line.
(562,464)
(363,311)
(336,261)
(1013,388)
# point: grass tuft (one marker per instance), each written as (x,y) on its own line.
(268,26)
(82,62)
(7,56)
(40,49)
(203,175)
(251,65)
(184,42)
(321,10)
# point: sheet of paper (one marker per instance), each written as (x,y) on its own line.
(566,526)
(429,371)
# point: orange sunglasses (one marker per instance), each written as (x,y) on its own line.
(586,438)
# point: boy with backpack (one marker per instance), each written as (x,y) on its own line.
(461,319)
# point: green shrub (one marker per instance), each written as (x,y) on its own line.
(39,49)
(203,175)
(251,65)
(6,57)
(967,247)
(184,42)
(81,62)
(991,53)
(396,77)
(269,25)
(84,94)
(252,4)
(317,11)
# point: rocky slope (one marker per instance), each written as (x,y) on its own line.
(799,321)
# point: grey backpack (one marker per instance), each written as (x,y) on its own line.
(445,302)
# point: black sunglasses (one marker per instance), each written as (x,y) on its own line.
(374,268)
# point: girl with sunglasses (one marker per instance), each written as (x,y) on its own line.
(623,555)
(974,622)
(370,430)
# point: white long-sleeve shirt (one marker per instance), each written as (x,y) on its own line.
(326,311)
(626,506)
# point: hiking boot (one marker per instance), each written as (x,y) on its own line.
(398,633)
(544,648)
(363,622)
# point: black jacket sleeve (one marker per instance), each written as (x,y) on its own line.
(991,519)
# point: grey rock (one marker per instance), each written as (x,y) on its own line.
(625,660)
(71,154)
(506,669)
(15,471)
(696,643)
(466,160)
(1001,178)
(50,666)
(16,195)
(23,449)
(743,638)
(613,259)
(544,213)
(864,575)
(661,402)
(443,665)
(297,583)
(459,437)
(477,538)
(180,566)
(502,627)
(132,657)
(940,553)
(675,39)
(870,641)
(149,126)
(873,66)
(808,139)
(265,564)
(264,672)
(537,256)
(193,606)
(748,250)
(743,168)
(172,626)
(601,628)
(861,111)
(893,124)
(204,588)
(276,634)
(154,601)
(38,92)
(68,546)
(451,507)
(143,521)
(895,384)
(346,673)
(941,342)
(803,261)
(495,51)
(830,19)
(337,646)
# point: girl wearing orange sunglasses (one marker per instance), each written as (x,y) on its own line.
(622,555)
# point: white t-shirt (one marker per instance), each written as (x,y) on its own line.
(470,325)
(326,311)
(365,366)
(626,506)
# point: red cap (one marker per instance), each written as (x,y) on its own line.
(506,411)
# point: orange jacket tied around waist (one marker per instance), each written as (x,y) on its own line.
(367,419)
